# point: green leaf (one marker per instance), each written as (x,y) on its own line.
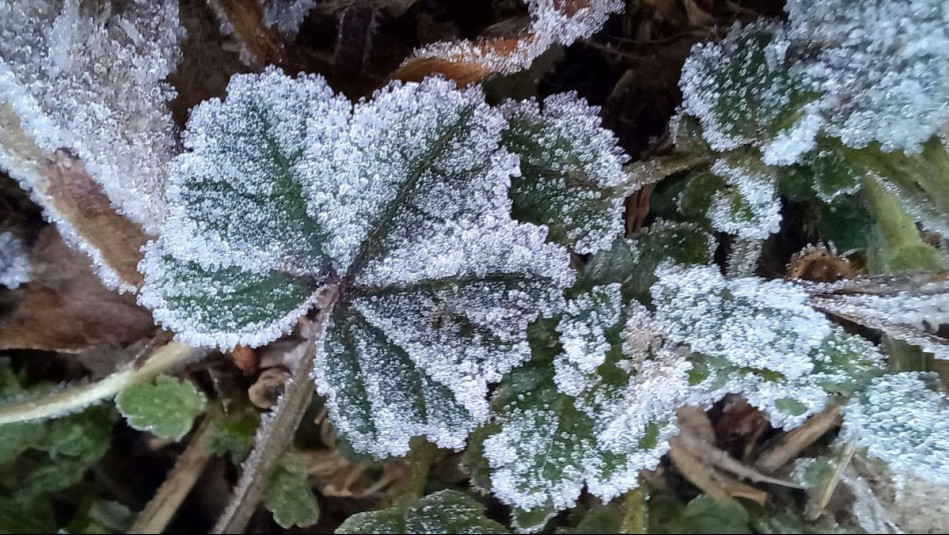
(233,434)
(599,518)
(447,511)
(26,516)
(572,177)
(166,408)
(85,436)
(401,203)
(705,515)
(291,500)
(19,437)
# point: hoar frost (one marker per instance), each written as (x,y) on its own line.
(401,201)
(89,77)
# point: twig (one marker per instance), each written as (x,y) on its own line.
(794,442)
(77,398)
(276,430)
(818,500)
(720,459)
(155,517)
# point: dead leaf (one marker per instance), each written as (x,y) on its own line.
(65,307)
(819,264)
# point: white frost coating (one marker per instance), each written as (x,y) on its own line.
(286,15)
(14,264)
(552,22)
(759,214)
(582,336)
(765,325)
(90,78)
(572,163)
(882,67)
(904,423)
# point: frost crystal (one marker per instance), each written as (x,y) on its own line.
(286,15)
(901,421)
(401,201)
(89,77)
(572,171)
(14,264)
(552,22)
(881,66)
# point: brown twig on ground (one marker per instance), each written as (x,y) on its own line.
(791,444)
(155,517)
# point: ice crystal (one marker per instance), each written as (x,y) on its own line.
(571,171)
(14,264)
(552,22)
(881,66)
(286,15)
(902,421)
(401,201)
(89,77)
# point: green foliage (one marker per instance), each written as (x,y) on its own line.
(166,408)
(41,462)
(290,498)
(447,511)
(705,515)
(232,434)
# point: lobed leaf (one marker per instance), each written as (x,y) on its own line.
(291,500)
(166,408)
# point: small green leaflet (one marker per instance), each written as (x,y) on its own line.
(233,433)
(290,499)
(447,511)
(166,408)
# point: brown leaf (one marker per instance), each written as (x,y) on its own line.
(245,358)
(819,264)
(462,70)
(65,307)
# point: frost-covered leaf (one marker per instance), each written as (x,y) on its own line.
(912,313)
(400,201)
(760,339)
(90,77)
(882,67)
(552,22)
(743,92)
(167,408)
(903,421)
(447,511)
(290,498)
(571,171)
(14,264)
(543,446)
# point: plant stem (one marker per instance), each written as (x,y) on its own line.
(277,429)
(635,513)
(76,398)
(163,506)
(906,249)
(420,463)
